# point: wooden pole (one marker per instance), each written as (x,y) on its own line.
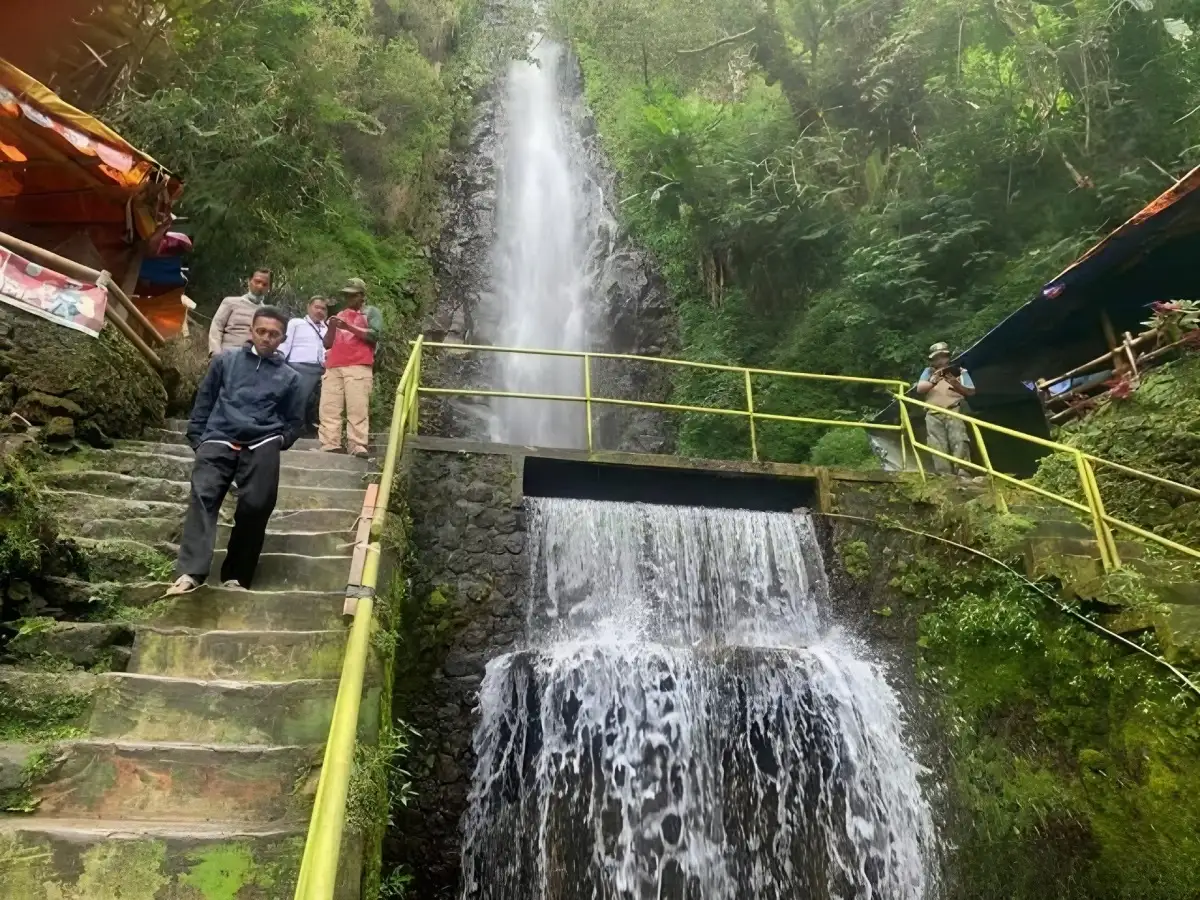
(84,273)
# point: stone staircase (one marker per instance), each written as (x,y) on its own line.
(1156,591)
(188,768)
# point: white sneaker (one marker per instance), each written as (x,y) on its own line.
(232,585)
(184,584)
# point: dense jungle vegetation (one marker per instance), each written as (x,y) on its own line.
(310,133)
(832,185)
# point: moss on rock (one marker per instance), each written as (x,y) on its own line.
(105,378)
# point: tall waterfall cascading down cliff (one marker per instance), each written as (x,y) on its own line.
(541,282)
(683,723)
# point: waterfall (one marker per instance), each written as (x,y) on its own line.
(684,723)
(541,276)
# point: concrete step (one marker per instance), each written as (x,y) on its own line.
(178,468)
(125,560)
(42,858)
(327,530)
(157,708)
(166,436)
(177,782)
(121,559)
(210,606)
(289,571)
(162,490)
(82,506)
(305,543)
(238,655)
(304,459)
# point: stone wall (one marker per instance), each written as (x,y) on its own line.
(73,385)
(468,572)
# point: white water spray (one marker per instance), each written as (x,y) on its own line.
(685,726)
(539,260)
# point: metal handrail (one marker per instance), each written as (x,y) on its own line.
(322,848)
(1102,522)
(589,398)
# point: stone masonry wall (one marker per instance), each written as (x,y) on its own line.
(468,572)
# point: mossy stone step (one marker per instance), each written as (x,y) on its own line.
(300,459)
(304,543)
(176,782)
(42,859)
(157,708)
(210,607)
(168,436)
(178,468)
(163,490)
(289,571)
(238,655)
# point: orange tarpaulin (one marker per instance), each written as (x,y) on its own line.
(63,172)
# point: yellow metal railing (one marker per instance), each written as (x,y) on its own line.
(1085,463)
(319,867)
(322,849)
(590,399)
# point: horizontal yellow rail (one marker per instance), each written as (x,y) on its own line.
(323,846)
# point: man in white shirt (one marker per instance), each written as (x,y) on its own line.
(304,350)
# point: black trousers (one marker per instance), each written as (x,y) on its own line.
(256,473)
(310,386)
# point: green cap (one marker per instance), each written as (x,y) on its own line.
(354,286)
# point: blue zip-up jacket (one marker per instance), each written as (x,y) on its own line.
(246,398)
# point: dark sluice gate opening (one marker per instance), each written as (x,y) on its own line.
(668,486)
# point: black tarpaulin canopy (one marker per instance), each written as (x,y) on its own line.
(1155,256)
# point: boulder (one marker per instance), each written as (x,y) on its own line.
(103,381)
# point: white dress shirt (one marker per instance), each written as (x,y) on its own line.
(305,342)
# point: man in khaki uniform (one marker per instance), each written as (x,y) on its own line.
(946,386)
(349,362)
(230,327)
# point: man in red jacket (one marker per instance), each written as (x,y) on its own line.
(349,361)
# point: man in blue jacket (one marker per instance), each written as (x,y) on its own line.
(250,408)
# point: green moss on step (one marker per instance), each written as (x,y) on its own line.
(220,872)
(1072,760)
(38,707)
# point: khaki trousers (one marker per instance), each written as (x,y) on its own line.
(950,436)
(348,388)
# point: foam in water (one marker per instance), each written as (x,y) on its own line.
(539,260)
(685,724)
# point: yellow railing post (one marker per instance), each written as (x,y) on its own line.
(750,412)
(587,393)
(1104,536)
(1001,504)
(908,430)
(414,413)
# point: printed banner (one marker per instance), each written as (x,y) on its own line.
(57,298)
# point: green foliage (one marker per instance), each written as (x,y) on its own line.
(27,530)
(846,448)
(856,558)
(848,182)
(1155,430)
(1066,751)
(310,134)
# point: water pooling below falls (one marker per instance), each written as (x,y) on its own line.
(684,725)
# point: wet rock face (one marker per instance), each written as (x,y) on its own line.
(469,577)
(631,311)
